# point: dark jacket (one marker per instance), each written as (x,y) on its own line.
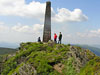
(39,40)
(60,36)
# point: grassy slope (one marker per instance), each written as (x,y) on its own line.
(91,68)
(43,58)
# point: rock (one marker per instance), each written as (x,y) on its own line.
(26,69)
(51,43)
(58,67)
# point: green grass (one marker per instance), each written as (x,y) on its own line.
(69,69)
(92,67)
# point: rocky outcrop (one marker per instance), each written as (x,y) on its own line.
(26,69)
(80,56)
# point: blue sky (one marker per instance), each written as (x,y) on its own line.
(22,20)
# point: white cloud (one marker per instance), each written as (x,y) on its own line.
(95,31)
(20,33)
(3,28)
(68,35)
(28,29)
(90,34)
(1,23)
(38,27)
(20,8)
(21,28)
(36,10)
(65,15)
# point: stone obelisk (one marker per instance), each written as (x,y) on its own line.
(47,23)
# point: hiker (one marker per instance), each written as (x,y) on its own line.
(60,38)
(55,38)
(39,40)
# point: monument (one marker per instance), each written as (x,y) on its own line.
(47,23)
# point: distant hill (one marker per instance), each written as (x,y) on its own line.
(97,46)
(9,45)
(6,50)
(93,49)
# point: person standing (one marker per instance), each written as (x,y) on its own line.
(55,37)
(39,39)
(60,38)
